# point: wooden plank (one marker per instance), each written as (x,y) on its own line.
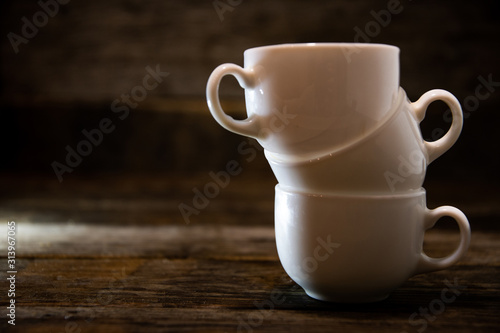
(196,241)
(98,50)
(209,278)
(228,242)
(248,199)
(126,262)
(160,294)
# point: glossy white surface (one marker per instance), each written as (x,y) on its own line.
(345,144)
(358,248)
(392,157)
(306,98)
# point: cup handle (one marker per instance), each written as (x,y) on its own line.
(438,147)
(427,264)
(246,78)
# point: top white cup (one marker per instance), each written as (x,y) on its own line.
(315,97)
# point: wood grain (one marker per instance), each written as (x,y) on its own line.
(220,273)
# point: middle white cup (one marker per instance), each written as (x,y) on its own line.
(391,157)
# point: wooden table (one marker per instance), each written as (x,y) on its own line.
(114,254)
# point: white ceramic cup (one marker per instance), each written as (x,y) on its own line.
(305,98)
(358,248)
(391,157)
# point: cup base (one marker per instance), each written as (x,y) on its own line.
(346,298)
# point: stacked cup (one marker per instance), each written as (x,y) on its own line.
(345,145)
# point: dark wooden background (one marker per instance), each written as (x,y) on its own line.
(91,52)
(118,209)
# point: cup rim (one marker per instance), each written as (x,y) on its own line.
(321,45)
(350,195)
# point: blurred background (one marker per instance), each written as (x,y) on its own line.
(137,70)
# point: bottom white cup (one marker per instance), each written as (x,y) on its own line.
(358,248)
